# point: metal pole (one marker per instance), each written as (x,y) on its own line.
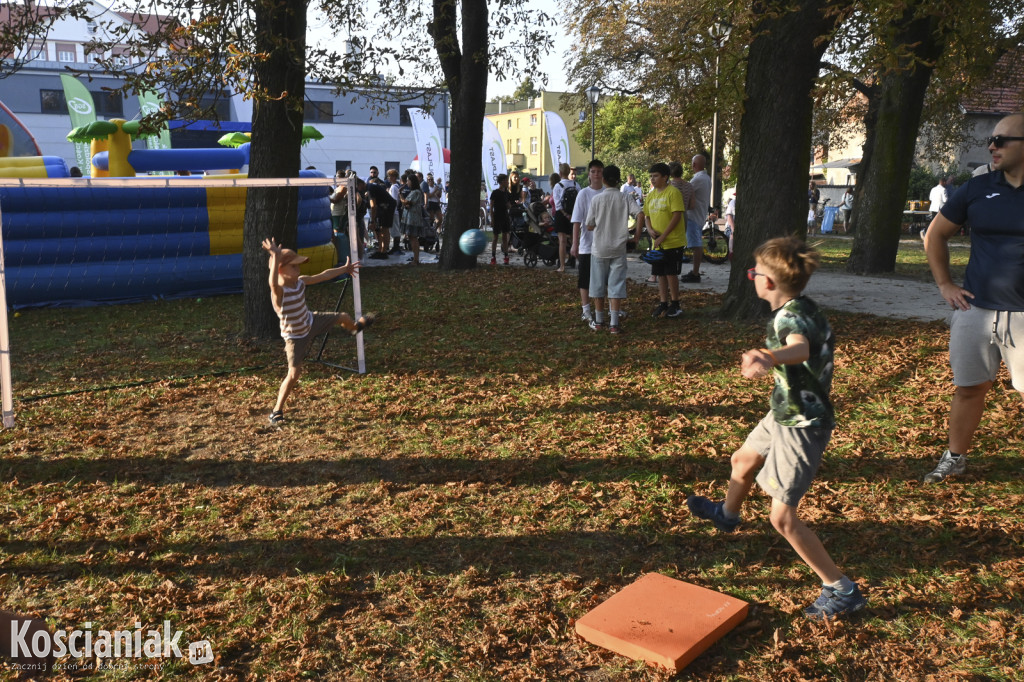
(593,108)
(714,138)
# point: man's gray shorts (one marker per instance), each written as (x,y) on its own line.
(792,456)
(694,233)
(979,338)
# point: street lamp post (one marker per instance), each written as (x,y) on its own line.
(593,94)
(719,33)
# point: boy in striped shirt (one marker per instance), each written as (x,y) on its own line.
(298,325)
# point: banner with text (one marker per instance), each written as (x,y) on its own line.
(493,155)
(149,103)
(428,144)
(82,112)
(558,139)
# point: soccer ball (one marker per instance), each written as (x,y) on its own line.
(473,242)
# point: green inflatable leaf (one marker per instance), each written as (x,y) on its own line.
(233,139)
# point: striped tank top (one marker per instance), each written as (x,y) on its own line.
(296,320)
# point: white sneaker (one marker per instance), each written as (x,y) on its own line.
(586,318)
(947,466)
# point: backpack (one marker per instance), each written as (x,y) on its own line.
(569,195)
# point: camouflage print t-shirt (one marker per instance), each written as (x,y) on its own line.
(801,394)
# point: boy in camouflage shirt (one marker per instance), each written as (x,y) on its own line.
(784,450)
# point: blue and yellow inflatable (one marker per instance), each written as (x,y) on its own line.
(71,246)
(86,245)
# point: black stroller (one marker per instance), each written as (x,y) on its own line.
(533,235)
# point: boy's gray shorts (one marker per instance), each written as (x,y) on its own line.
(979,338)
(608,277)
(792,456)
(295,349)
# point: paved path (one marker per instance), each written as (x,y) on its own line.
(886,297)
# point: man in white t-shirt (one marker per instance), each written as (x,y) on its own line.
(583,239)
(632,187)
(563,213)
(936,198)
(696,216)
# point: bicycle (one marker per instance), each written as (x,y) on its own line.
(716,244)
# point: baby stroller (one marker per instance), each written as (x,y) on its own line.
(534,238)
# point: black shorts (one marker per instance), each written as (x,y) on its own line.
(433,205)
(583,271)
(385,217)
(501,228)
(562,224)
(671,264)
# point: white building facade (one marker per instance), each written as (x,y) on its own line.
(356,135)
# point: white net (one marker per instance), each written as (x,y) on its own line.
(76,243)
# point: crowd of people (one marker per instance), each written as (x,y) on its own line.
(393,214)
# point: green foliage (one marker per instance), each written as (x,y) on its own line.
(526,90)
(622,124)
(921,182)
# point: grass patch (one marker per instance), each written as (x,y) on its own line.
(911,261)
(499,472)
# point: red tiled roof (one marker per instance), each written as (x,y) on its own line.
(1003,92)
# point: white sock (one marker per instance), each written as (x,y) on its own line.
(844,585)
(586,310)
(615,318)
(599,317)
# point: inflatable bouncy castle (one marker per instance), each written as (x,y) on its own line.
(82,244)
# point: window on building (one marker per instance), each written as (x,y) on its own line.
(519,145)
(53,102)
(508,146)
(108,104)
(509,124)
(121,56)
(340,167)
(533,145)
(35,52)
(219,104)
(66,52)
(533,119)
(93,57)
(318,112)
(392,165)
(403,114)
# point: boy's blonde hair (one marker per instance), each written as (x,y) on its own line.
(791,260)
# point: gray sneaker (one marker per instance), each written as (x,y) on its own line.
(947,466)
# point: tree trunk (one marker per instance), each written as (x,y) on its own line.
(891,125)
(274,153)
(465,72)
(775,137)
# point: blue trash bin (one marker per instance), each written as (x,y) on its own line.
(828,218)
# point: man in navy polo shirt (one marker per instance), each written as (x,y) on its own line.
(988,317)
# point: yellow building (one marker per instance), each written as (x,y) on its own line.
(524,133)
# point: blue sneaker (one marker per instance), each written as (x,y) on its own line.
(703,508)
(833,603)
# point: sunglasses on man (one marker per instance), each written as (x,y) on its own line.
(999,141)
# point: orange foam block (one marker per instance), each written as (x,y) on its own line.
(663,621)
